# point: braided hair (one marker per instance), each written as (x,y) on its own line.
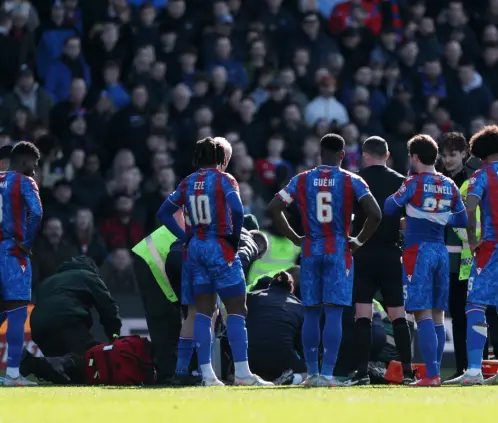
(208,152)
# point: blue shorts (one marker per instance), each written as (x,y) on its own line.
(211,266)
(15,278)
(426,276)
(327,279)
(483,280)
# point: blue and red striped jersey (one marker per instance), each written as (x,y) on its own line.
(430,201)
(20,212)
(202,195)
(484,184)
(325,196)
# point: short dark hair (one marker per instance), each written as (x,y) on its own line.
(484,143)
(376,146)
(424,147)
(208,152)
(453,141)
(333,143)
(24,149)
(284,280)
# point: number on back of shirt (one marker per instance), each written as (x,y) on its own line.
(432,204)
(324,212)
(201,212)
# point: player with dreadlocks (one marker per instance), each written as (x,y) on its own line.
(214,216)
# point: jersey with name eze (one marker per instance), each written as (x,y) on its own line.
(429,199)
(20,212)
(325,196)
(484,185)
(203,198)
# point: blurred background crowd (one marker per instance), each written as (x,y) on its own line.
(115,94)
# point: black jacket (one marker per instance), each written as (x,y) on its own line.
(274,320)
(69,296)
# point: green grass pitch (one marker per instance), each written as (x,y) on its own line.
(255,405)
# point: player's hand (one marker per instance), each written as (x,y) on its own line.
(23,248)
(354,244)
(298,242)
(474,246)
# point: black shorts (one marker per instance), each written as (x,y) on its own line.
(270,364)
(378,267)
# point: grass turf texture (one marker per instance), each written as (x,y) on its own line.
(254,405)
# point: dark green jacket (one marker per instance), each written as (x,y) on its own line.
(68,296)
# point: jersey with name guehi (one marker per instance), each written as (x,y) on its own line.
(325,196)
(429,200)
(20,212)
(484,185)
(202,195)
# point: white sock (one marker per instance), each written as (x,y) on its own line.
(12,372)
(297,379)
(473,372)
(207,371)
(242,369)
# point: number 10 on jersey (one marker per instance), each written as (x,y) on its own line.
(201,212)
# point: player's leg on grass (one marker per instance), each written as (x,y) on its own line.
(363,337)
(186,344)
(205,306)
(403,340)
(428,347)
(438,318)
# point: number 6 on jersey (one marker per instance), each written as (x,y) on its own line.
(324,212)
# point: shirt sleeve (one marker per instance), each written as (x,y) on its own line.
(477,184)
(177,197)
(458,205)
(360,187)
(229,184)
(31,196)
(405,192)
(288,193)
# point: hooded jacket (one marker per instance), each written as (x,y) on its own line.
(68,296)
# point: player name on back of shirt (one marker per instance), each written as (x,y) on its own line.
(438,189)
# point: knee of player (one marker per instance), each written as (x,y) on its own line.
(396,313)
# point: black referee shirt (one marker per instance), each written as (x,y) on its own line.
(383,182)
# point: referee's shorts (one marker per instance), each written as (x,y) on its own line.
(378,267)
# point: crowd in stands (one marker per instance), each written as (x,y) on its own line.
(115,94)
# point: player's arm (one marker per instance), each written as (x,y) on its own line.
(458,217)
(166,213)
(29,192)
(395,203)
(232,196)
(277,207)
(474,195)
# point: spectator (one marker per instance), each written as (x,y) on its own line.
(112,86)
(61,206)
(29,94)
(50,250)
(326,106)
(147,32)
(236,73)
(118,274)
(121,230)
(89,185)
(70,66)
(10,48)
(85,238)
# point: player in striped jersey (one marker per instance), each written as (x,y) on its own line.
(20,217)
(214,216)
(325,196)
(431,201)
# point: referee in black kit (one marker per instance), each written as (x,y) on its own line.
(377,265)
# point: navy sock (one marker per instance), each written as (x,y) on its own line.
(15,336)
(311,338)
(332,335)
(237,337)
(441,341)
(476,334)
(202,336)
(185,351)
(428,346)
